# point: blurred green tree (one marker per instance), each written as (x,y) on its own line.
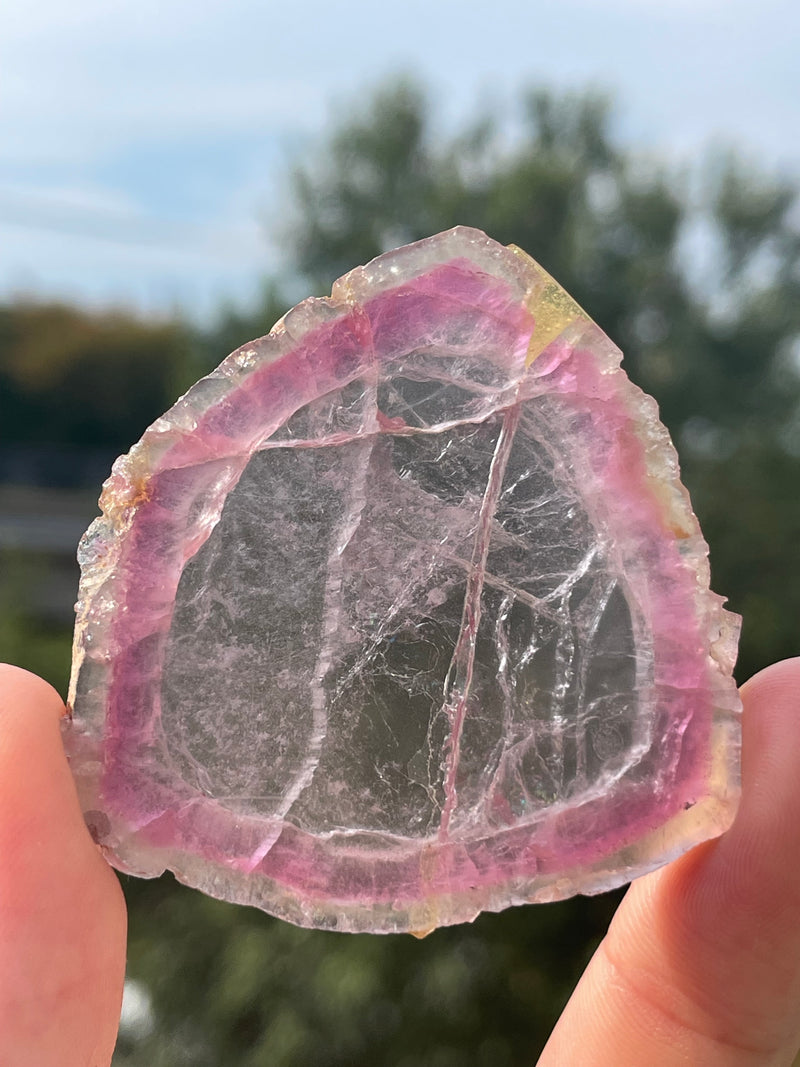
(70,377)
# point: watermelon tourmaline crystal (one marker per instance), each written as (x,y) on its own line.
(403,614)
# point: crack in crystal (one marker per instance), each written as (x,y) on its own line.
(459,675)
(600,603)
(331,617)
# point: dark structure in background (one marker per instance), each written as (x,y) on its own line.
(721,354)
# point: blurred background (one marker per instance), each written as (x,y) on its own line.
(174,176)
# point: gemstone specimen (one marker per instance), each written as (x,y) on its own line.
(403,614)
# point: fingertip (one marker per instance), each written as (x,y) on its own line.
(702,961)
(62,915)
(745,873)
(738,899)
(21,689)
(770,804)
(782,678)
(33,769)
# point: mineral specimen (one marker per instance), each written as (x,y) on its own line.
(403,614)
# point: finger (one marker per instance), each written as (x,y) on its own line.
(701,964)
(62,915)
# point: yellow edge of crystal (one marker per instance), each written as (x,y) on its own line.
(552,308)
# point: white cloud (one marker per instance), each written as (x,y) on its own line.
(91,245)
(89,216)
(146,132)
(96,201)
(76,79)
(82,118)
(47,264)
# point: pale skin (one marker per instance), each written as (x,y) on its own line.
(701,965)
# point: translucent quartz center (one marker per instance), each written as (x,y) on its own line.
(315,661)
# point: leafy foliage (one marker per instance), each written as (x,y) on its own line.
(70,377)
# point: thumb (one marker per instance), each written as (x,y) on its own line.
(62,914)
(702,961)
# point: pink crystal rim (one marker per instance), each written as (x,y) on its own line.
(319,880)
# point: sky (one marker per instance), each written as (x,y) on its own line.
(145,144)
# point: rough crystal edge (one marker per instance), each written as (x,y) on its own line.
(127,488)
(711,816)
(720,626)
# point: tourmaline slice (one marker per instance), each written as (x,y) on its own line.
(403,614)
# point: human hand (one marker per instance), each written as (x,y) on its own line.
(701,964)
(62,913)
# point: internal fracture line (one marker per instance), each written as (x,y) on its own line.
(459,676)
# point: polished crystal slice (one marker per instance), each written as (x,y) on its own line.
(403,614)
